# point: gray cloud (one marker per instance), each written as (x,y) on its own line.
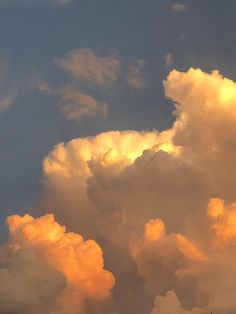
(179,7)
(134,75)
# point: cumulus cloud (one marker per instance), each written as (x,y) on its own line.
(224,221)
(165,260)
(170,304)
(29,286)
(134,75)
(179,7)
(51,271)
(85,65)
(123,188)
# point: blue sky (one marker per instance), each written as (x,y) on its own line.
(35,33)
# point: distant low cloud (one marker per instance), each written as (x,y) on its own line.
(85,65)
(134,76)
(179,7)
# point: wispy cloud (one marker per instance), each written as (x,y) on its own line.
(169,59)
(134,76)
(85,65)
(89,75)
(13,87)
(75,104)
(179,7)
(28,2)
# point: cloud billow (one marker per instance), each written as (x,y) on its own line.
(161,205)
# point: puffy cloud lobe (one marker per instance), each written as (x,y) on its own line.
(208,272)
(119,148)
(85,65)
(223,221)
(163,260)
(205,124)
(61,270)
(82,171)
(29,286)
(154,230)
(170,304)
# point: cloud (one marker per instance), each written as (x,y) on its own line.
(61,2)
(170,304)
(85,65)
(162,259)
(94,75)
(73,103)
(28,2)
(51,271)
(11,89)
(76,105)
(179,7)
(224,218)
(29,286)
(134,78)
(8,100)
(123,188)
(169,59)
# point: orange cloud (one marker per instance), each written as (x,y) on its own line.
(223,220)
(154,230)
(81,262)
(128,177)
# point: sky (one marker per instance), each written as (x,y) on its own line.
(117,124)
